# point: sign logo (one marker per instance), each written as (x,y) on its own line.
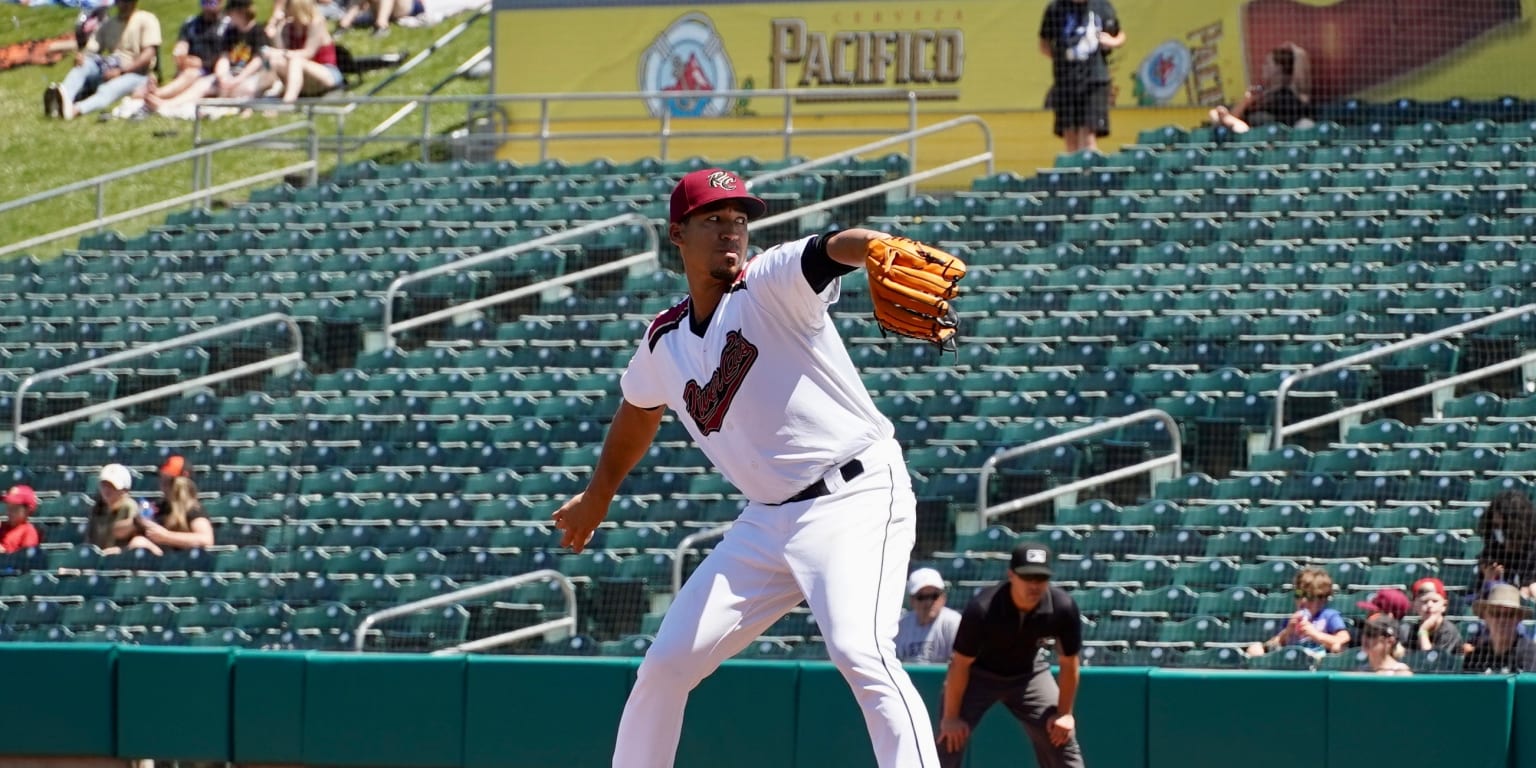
(708,403)
(688,56)
(722,180)
(1034,555)
(1162,73)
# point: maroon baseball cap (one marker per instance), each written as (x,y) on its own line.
(22,495)
(712,185)
(1389,601)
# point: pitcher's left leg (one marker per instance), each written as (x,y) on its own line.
(850,558)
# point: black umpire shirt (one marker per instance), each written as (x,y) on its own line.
(1005,642)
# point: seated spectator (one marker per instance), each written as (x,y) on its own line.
(1500,649)
(1508,530)
(1392,603)
(380,13)
(1431,632)
(101,77)
(305,59)
(240,72)
(18,532)
(181,522)
(196,50)
(1314,626)
(1378,636)
(330,9)
(1283,94)
(112,523)
(926,633)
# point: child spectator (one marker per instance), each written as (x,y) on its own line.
(1378,636)
(181,522)
(1314,626)
(1500,649)
(1431,631)
(1508,530)
(112,519)
(305,59)
(135,37)
(1282,95)
(18,532)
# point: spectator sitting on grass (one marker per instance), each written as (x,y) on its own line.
(1314,626)
(118,59)
(18,532)
(180,524)
(239,73)
(305,59)
(195,51)
(380,12)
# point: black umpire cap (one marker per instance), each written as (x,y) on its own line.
(1031,559)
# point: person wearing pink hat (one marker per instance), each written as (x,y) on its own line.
(18,532)
(1431,631)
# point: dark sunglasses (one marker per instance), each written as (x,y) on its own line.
(927,598)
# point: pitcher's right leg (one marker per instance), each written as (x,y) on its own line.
(737,592)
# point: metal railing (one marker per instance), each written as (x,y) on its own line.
(688,545)
(867,192)
(1173,460)
(1281,430)
(481,590)
(202,186)
(910,137)
(665,131)
(392,326)
(293,357)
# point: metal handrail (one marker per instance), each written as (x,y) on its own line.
(167,204)
(665,132)
(910,137)
(198,155)
(1174,458)
(877,189)
(1281,431)
(391,326)
(684,546)
(295,356)
(480,590)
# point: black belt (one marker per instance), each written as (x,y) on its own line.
(816,490)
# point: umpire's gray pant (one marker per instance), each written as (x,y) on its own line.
(1032,699)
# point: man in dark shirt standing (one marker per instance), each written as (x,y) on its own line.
(1077,35)
(997,657)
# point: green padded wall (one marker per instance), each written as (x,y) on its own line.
(384,710)
(742,716)
(526,711)
(1524,723)
(1373,724)
(268,705)
(1111,724)
(830,728)
(173,703)
(63,699)
(1248,718)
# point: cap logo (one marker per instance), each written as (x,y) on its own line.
(1034,556)
(723,180)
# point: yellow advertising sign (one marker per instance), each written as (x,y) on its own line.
(983,55)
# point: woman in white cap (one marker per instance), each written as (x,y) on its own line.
(1500,649)
(111,524)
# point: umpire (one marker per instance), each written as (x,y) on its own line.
(997,658)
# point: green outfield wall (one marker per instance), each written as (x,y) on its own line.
(382,710)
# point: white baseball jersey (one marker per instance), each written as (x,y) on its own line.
(771,428)
(917,644)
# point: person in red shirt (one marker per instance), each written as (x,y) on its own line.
(18,532)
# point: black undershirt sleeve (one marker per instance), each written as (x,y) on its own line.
(819,268)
